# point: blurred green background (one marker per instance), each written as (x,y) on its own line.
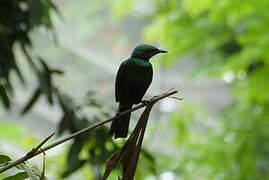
(64,55)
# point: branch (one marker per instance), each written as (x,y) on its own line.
(34,150)
(152,101)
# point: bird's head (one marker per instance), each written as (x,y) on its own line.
(146,51)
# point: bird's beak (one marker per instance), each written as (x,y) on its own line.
(162,51)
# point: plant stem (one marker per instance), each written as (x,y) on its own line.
(152,101)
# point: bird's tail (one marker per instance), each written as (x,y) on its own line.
(119,126)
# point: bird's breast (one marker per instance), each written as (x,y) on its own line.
(139,72)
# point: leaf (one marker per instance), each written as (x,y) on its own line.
(4,96)
(18,176)
(36,13)
(129,162)
(128,155)
(4,159)
(149,161)
(32,172)
(45,78)
(65,124)
(32,101)
(10,132)
(46,19)
(68,119)
(72,167)
(73,161)
(54,8)
(66,103)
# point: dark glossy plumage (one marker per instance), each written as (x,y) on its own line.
(133,79)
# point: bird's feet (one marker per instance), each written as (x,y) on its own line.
(118,115)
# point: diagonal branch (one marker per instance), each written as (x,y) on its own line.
(34,150)
(152,101)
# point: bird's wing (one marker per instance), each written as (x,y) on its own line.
(151,75)
(147,84)
(119,81)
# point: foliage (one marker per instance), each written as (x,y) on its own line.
(18,176)
(95,146)
(18,19)
(128,154)
(4,159)
(232,146)
(229,39)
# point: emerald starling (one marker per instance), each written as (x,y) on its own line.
(133,79)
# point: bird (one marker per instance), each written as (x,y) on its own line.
(133,78)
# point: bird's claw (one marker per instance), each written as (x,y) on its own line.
(118,114)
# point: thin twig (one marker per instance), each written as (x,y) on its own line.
(33,151)
(152,101)
(177,98)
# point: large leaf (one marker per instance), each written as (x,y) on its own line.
(46,81)
(73,160)
(4,159)
(32,101)
(128,155)
(18,176)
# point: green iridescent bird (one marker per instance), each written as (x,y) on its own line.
(133,79)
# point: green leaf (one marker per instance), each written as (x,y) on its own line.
(4,96)
(10,132)
(66,103)
(32,171)
(36,13)
(73,161)
(32,101)
(46,19)
(148,161)
(46,81)
(18,176)
(4,159)
(72,167)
